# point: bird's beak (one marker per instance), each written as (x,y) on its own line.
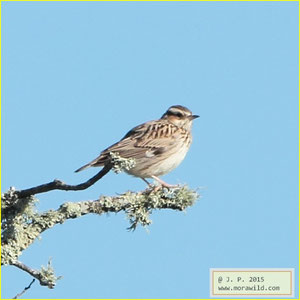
(194,117)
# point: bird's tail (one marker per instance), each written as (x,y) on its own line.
(97,162)
(83,167)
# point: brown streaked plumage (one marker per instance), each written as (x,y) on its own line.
(157,146)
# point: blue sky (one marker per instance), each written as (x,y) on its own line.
(76,76)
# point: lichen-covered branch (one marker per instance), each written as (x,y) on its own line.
(19,231)
(22,224)
(45,276)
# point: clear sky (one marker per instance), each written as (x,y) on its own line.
(76,76)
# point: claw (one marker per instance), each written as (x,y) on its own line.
(164,184)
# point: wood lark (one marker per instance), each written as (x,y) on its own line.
(157,146)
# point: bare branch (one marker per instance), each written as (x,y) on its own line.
(45,276)
(25,289)
(20,265)
(59,185)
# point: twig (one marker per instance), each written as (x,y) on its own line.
(59,185)
(34,273)
(25,289)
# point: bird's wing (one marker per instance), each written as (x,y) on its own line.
(146,140)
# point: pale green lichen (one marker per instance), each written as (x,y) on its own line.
(17,216)
(47,276)
(12,206)
(179,199)
(71,209)
(22,224)
(10,252)
(138,206)
(121,164)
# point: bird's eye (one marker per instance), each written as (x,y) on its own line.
(179,115)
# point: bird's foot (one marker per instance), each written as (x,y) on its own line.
(151,187)
(163,184)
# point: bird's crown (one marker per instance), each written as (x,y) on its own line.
(179,116)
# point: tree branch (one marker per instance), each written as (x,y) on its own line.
(25,289)
(21,224)
(116,162)
(59,185)
(21,230)
(45,276)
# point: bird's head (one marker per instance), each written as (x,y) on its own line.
(179,116)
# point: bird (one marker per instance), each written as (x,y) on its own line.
(157,146)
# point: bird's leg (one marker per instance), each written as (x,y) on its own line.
(164,184)
(152,187)
(149,184)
